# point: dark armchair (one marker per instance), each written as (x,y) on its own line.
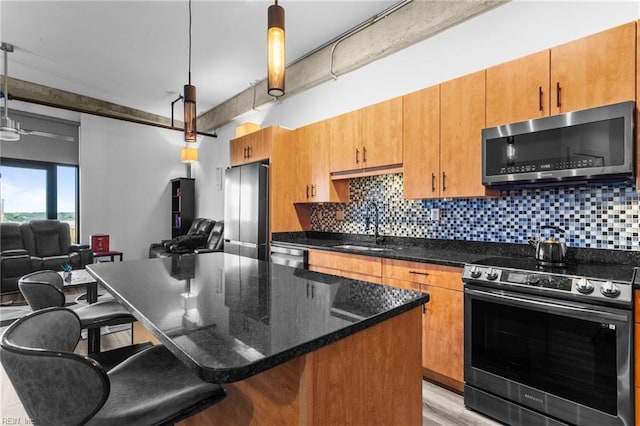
(14,258)
(49,244)
(37,245)
(204,235)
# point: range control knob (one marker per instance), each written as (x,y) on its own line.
(475,271)
(492,274)
(584,286)
(609,289)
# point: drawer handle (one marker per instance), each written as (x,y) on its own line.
(426,274)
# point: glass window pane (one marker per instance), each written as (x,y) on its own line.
(67,196)
(23,193)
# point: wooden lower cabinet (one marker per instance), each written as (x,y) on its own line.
(357,267)
(443,319)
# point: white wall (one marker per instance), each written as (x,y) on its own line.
(125,170)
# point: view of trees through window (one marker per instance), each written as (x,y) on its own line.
(30,191)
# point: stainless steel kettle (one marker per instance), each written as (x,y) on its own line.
(550,252)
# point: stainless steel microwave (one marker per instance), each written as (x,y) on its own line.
(588,145)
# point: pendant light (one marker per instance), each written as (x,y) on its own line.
(190,117)
(9,129)
(275,50)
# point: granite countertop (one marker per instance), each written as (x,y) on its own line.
(455,253)
(230,317)
(442,252)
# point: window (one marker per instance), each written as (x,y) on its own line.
(31,190)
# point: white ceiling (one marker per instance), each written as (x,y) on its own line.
(135,53)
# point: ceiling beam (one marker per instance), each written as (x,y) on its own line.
(26,91)
(412,23)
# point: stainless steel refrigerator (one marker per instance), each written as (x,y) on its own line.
(246,210)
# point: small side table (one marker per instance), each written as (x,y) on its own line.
(111,254)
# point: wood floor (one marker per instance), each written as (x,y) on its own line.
(440,407)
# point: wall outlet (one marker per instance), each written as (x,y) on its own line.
(340,215)
(435,215)
(319,215)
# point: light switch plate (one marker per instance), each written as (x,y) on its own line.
(435,214)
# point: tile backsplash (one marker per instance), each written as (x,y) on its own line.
(604,216)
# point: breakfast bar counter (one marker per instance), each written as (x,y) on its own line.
(290,346)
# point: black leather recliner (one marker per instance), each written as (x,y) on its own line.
(14,259)
(37,245)
(204,235)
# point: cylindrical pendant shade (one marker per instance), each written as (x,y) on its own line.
(275,51)
(189,155)
(190,131)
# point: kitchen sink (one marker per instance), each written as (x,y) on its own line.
(360,248)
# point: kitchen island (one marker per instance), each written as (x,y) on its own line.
(290,346)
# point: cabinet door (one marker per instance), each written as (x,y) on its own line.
(344,132)
(518,90)
(258,144)
(322,188)
(238,151)
(595,70)
(300,164)
(421,144)
(462,108)
(442,333)
(382,134)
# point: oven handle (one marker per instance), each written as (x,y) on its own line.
(553,307)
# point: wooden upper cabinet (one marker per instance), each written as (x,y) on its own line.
(299,167)
(382,134)
(421,143)
(368,138)
(252,147)
(344,132)
(593,71)
(312,171)
(462,118)
(518,90)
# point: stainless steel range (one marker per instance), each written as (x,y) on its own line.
(549,346)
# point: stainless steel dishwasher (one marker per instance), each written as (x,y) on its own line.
(289,255)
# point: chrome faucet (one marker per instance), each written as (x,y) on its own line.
(377,238)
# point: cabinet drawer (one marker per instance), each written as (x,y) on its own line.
(423,273)
(365,265)
(407,285)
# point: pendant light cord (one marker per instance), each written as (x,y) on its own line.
(189,42)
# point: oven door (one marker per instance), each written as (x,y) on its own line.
(534,357)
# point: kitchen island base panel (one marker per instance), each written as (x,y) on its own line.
(371,377)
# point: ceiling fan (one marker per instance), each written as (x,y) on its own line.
(10,129)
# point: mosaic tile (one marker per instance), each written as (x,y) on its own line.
(593,216)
